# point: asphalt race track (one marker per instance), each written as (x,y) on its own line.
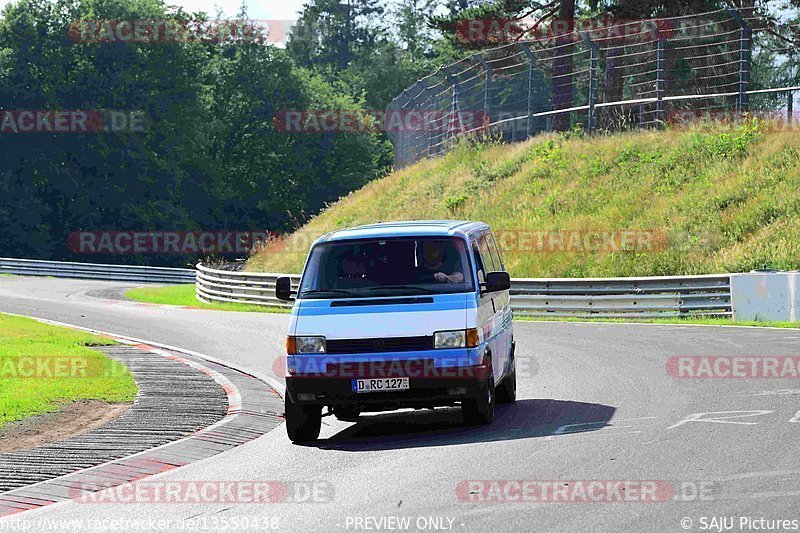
(595,403)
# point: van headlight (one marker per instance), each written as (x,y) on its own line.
(456,339)
(297,345)
(449,339)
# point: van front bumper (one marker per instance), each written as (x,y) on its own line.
(423,391)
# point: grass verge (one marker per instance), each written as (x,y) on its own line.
(43,367)
(184,295)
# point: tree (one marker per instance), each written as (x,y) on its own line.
(335,33)
(209,158)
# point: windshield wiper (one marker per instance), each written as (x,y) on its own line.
(403,287)
(321,291)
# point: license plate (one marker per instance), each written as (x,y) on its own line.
(380,384)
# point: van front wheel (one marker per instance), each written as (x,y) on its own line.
(507,391)
(480,410)
(303,422)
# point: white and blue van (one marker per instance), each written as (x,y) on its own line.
(399,315)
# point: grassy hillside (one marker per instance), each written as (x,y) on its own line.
(717,201)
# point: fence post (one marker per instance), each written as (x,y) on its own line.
(790,107)
(661,71)
(455,106)
(399,138)
(426,119)
(594,60)
(413,104)
(487,89)
(745,34)
(531,69)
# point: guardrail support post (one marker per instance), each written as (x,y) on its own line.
(594,61)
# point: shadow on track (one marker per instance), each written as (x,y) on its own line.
(524,419)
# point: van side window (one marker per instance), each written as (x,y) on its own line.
(476,254)
(498,262)
(486,256)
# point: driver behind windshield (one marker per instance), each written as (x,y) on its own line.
(437,266)
(354,272)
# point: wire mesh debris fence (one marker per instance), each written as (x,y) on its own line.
(599,75)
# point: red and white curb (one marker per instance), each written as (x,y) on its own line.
(245,420)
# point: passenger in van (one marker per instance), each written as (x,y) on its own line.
(354,272)
(435,262)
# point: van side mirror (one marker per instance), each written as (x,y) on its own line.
(283,289)
(497,281)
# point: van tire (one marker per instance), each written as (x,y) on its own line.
(303,422)
(507,391)
(480,410)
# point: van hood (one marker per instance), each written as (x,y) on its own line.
(396,316)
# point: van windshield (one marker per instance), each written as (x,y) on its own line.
(387,267)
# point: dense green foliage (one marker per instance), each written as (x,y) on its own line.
(209,156)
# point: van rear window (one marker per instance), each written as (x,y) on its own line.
(387,267)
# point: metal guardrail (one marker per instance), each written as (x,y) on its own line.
(599,297)
(239,287)
(649,297)
(61,269)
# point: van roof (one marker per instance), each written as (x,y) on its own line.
(408,228)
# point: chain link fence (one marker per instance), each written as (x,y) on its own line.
(599,75)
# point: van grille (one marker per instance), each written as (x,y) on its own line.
(379,345)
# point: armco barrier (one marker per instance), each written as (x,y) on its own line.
(599,297)
(61,269)
(239,287)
